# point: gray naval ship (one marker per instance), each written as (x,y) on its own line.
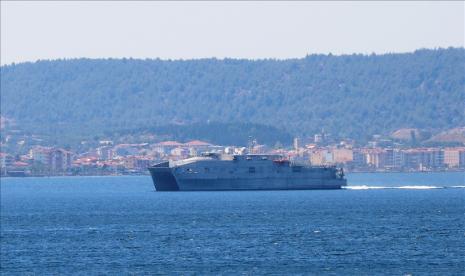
(218,172)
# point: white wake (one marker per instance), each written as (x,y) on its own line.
(408,187)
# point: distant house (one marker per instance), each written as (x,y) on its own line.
(169,144)
(6,160)
(55,159)
(180,152)
(453,157)
(342,155)
(321,157)
(140,163)
(129,149)
(166,146)
(105,153)
(197,146)
(424,158)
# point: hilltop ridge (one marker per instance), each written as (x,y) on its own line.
(352,96)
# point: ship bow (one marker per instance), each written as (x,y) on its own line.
(163,178)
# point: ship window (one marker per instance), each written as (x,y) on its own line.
(189,170)
(251,169)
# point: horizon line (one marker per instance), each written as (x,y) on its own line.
(233,58)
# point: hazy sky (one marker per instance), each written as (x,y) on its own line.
(50,30)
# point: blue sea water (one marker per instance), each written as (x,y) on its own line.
(381,224)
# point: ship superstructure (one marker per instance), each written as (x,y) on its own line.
(213,172)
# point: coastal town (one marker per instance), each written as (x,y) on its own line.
(107,157)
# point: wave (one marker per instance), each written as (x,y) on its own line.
(457,187)
(364,187)
(409,187)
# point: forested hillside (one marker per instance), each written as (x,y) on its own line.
(350,96)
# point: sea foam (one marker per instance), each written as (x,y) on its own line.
(409,187)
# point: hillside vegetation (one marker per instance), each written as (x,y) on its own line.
(352,96)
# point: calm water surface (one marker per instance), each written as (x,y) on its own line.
(381,224)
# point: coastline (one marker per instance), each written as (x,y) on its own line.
(148,174)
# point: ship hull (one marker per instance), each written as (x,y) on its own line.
(165,179)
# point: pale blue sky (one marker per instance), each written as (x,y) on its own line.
(50,30)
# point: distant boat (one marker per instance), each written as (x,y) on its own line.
(218,172)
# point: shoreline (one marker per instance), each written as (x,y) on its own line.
(148,175)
